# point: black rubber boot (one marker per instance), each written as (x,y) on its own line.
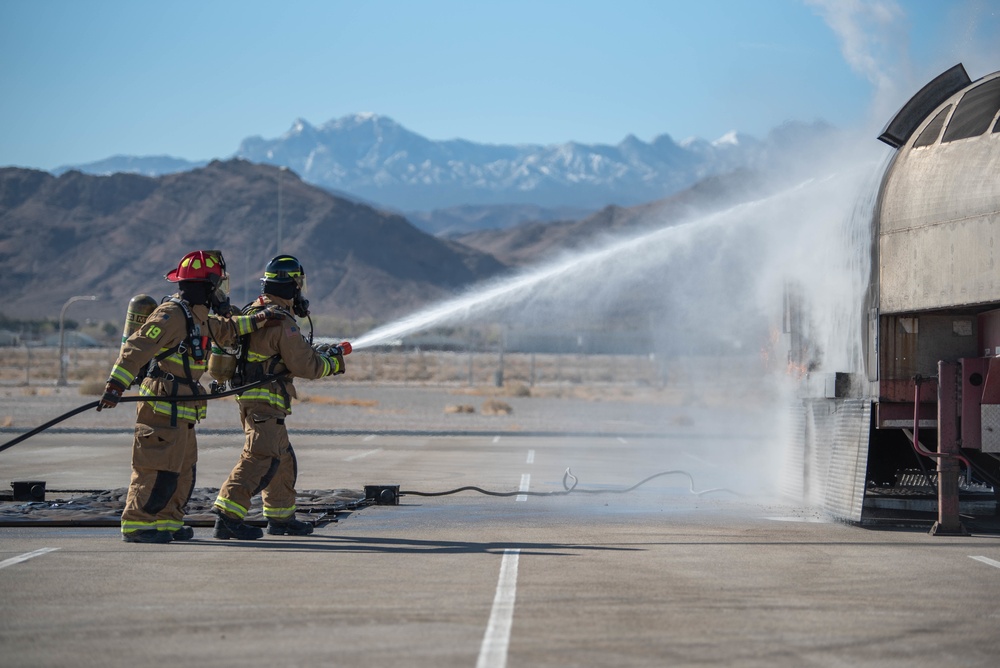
(184,533)
(291,527)
(147,536)
(227,527)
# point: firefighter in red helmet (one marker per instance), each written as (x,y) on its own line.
(172,349)
(267,464)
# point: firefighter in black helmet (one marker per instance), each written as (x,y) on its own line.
(267,464)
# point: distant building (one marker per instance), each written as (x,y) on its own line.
(73,340)
(9,338)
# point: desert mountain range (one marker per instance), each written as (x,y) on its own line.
(446,186)
(116,236)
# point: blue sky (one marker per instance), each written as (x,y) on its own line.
(81,80)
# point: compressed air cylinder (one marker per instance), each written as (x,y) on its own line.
(221,365)
(139,308)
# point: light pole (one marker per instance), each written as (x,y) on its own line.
(281,173)
(62,335)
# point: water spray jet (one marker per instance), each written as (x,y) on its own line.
(595,277)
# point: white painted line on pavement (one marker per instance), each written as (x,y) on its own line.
(622,440)
(493,651)
(525,483)
(368,437)
(531,457)
(496,439)
(362,454)
(27,555)
(985,560)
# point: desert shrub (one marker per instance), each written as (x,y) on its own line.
(496,407)
(92,387)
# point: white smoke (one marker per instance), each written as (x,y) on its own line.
(969,36)
(874,41)
(869,33)
(709,282)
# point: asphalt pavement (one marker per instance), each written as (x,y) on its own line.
(704,564)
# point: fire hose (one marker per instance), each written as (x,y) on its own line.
(569,480)
(322,514)
(568,488)
(174,398)
(343,348)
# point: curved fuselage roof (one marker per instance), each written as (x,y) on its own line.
(938,216)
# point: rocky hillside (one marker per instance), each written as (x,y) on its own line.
(116,236)
(531,242)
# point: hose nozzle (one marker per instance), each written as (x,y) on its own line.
(342,348)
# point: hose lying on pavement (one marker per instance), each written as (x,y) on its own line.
(567,488)
(568,476)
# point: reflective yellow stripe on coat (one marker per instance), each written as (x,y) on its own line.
(185,412)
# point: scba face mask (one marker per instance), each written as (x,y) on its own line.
(300,306)
(219,299)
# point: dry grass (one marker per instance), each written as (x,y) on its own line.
(92,387)
(496,407)
(622,378)
(518,374)
(334,401)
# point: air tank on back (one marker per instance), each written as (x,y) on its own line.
(139,309)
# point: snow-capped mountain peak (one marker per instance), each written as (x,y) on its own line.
(376,159)
(300,127)
(731,138)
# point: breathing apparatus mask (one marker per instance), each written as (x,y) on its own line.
(300,306)
(219,299)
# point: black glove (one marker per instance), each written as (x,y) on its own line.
(336,359)
(342,348)
(112,395)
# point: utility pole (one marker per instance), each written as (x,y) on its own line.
(281,173)
(62,335)
(498,376)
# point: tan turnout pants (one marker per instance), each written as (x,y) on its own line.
(267,466)
(164,459)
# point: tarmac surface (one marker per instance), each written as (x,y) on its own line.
(706,565)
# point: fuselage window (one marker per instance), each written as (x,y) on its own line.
(975,112)
(933,129)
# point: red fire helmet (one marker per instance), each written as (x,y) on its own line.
(202,265)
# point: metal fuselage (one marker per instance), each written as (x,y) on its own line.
(933,299)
